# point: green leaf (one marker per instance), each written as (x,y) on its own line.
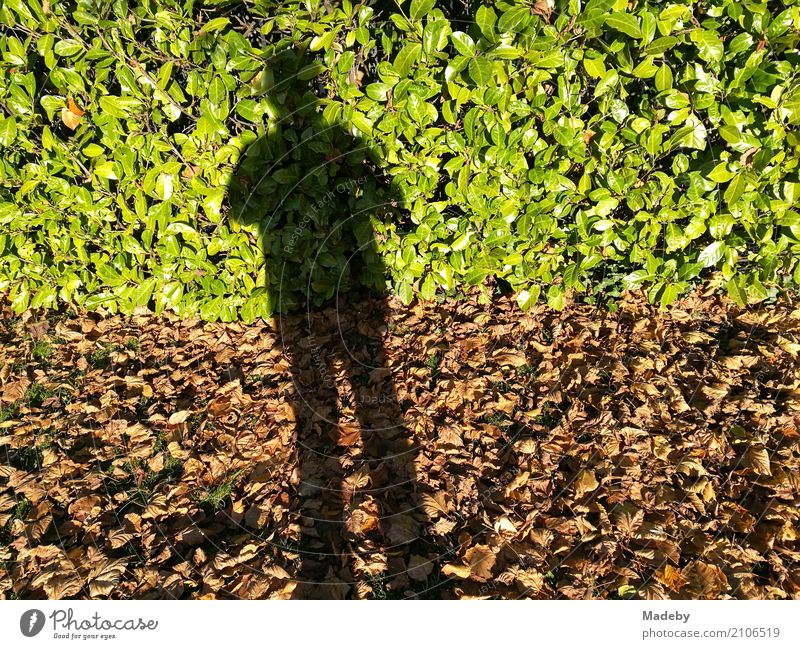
(462,241)
(212,204)
(105,169)
(486,18)
(428,288)
(322,41)
(608,82)
(730,134)
(508,52)
(737,290)
(735,188)
(311,70)
(571,276)
(645,69)
(636,278)
(720,173)
(406,58)
(419,8)
(434,36)
(711,254)
(481,71)
(669,294)
(709,45)
(110,275)
(790,219)
(463,43)
(67,48)
(417,108)
(551,59)
(674,12)
(144,292)
(362,122)
(214,25)
(781,24)
(93,150)
(691,136)
(625,23)
(594,67)
(378,91)
(164,185)
(661,45)
(217,91)
(528,298)
(555,297)
(675,238)
(663,78)
(118,106)
(250,110)
(405,293)
(514,20)
(8,130)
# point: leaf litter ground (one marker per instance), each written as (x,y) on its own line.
(581,454)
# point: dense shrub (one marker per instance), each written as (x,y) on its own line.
(566,147)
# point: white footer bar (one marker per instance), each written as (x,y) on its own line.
(511,624)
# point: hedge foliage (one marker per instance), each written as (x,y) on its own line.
(559,147)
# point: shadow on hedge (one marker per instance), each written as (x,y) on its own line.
(310,189)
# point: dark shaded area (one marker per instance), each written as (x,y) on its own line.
(311,190)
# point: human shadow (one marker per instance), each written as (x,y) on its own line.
(311,190)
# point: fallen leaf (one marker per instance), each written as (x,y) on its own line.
(419,567)
(585,482)
(756,458)
(671,577)
(480,560)
(179,417)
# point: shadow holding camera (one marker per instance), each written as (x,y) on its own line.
(311,190)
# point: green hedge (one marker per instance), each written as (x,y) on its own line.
(561,148)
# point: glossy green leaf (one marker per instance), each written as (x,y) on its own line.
(712,254)
(625,23)
(420,8)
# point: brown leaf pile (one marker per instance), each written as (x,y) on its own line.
(580,454)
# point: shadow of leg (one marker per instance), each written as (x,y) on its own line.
(356,482)
(388,448)
(315,402)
